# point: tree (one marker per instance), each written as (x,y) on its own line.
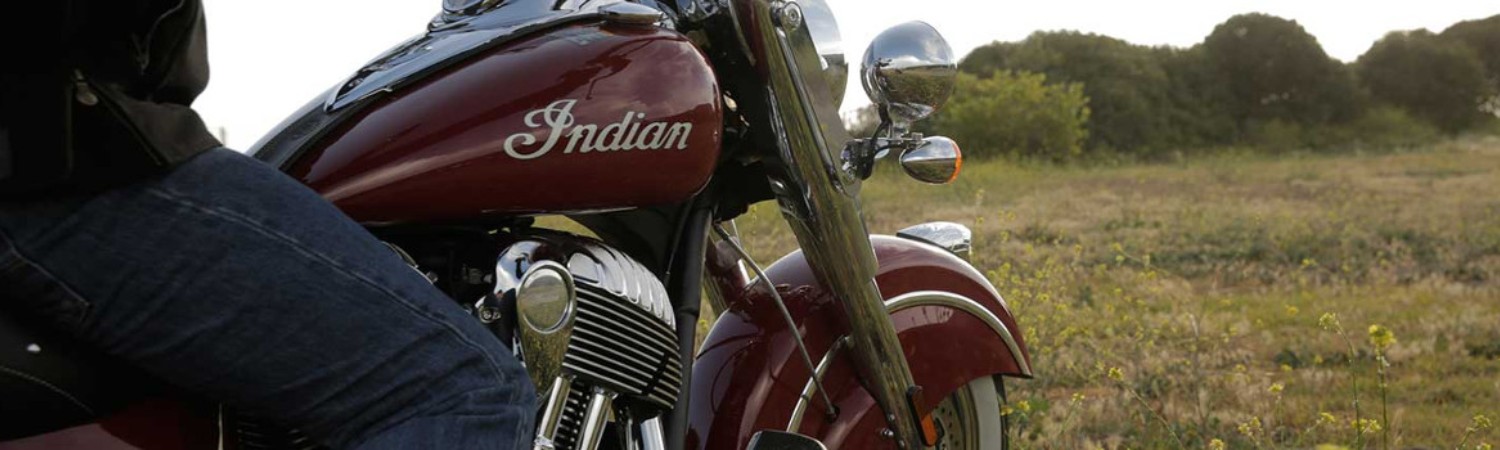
(1198,100)
(1483,36)
(1273,69)
(1015,114)
(1438,80)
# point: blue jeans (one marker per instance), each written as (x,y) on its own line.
(230,279)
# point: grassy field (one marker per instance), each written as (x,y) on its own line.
(1228,302)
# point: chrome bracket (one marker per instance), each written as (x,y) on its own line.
(859,155)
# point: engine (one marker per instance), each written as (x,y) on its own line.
(595,330)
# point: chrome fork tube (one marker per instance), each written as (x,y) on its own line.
(821,201)
(652,437)
(594,419)
(557,401)
(625,424)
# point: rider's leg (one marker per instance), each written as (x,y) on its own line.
(229,279)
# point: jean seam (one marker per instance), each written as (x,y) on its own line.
(51,387)
(19,259)
(299,247)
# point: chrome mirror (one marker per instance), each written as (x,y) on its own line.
(909,71)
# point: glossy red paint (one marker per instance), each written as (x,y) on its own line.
(443,148)
(158,424)
(748,376)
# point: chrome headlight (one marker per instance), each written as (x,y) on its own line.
(909,70)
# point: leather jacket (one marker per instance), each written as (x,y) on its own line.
(100,92)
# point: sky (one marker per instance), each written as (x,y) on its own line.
(270,57)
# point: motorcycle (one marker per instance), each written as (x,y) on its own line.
(653,124)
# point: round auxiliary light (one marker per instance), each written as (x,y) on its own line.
(545,298)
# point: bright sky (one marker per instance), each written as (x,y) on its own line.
(269,57)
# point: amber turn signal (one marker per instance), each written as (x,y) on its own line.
(929,431)
(937,160)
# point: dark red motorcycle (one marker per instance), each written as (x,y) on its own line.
(653,124)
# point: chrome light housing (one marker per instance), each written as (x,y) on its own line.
(936,160)
(545,298)
(909,71)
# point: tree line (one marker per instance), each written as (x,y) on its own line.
(1256,81)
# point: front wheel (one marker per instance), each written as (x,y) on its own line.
(970,419)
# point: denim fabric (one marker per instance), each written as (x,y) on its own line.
(227,278)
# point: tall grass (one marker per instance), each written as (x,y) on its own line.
(1178,305)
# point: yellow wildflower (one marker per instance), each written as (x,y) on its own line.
(1292,310)
(1024,406)
(1480,423)
(1484,446)
(1116,374)
(1329,321)
(1216,445)
(1078,398)
(1006,411)
(1286,367)
(1324,418)
(1276,388)
(1330,447)
(1366,426)
(1250,429)
(1381,337)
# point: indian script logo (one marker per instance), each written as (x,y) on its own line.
(554,123)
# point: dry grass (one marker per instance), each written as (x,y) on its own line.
(1171,306)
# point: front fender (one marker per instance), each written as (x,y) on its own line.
(953,326)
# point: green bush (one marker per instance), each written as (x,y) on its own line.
(1379,129)
(1016,114)
(1279,136)
(1387,128)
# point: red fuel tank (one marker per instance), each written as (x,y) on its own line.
(590,116)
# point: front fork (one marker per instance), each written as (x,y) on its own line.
(838,250)
(820,197)
(820,200)
(821,203)
(598,406)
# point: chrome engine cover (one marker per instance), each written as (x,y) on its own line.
(620,331)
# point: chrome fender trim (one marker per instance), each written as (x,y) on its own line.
(901,302)
(965,304)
